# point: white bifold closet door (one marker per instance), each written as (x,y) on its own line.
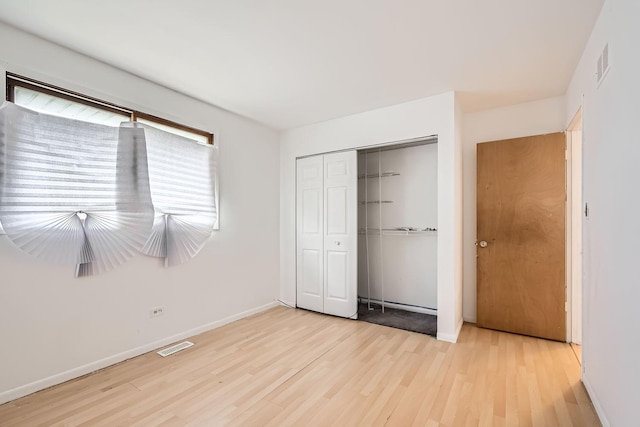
(326,213)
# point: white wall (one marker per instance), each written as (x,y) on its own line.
(429,116)
(611,173)
(54,327)
(532,118)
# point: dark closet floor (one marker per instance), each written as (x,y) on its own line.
(400,319)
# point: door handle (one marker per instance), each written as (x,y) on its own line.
(337,242)
(482,243)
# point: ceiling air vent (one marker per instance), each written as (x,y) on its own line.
(174,348)
(603,64)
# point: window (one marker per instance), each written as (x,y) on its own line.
(53,100)
(150,185)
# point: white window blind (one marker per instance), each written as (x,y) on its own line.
(91,195)
(71,191)
(63,107)
(182,177)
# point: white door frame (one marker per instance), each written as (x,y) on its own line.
(574,229)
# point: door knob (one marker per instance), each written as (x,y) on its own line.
(482,243)
(337,242)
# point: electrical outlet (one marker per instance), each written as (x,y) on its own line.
(157,311)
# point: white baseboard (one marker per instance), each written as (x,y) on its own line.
(41,384)
(289,304)
(596,403)
(452,338)
(473,319)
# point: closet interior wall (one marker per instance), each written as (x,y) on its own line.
(397,226)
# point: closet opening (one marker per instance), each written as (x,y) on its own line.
(398,235)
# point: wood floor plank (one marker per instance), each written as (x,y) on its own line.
(288,367)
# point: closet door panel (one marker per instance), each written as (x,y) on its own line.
(312,211)
(311,283)
(337,211)
(340,240)
(337,279)
(310,234)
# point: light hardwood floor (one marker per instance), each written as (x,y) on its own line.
(293,367)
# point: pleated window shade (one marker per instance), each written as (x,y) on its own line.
(92,195)
(71,191)
(182,177)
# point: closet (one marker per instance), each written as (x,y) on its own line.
(397,220)
(366,229)
(326,233)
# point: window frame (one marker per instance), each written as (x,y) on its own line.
(15,80)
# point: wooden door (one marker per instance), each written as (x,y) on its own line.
(341,234)
(310,234)
(521,217)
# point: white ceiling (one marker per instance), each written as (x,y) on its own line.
(288,63)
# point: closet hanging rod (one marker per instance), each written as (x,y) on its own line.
(376,202)
(375,175)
